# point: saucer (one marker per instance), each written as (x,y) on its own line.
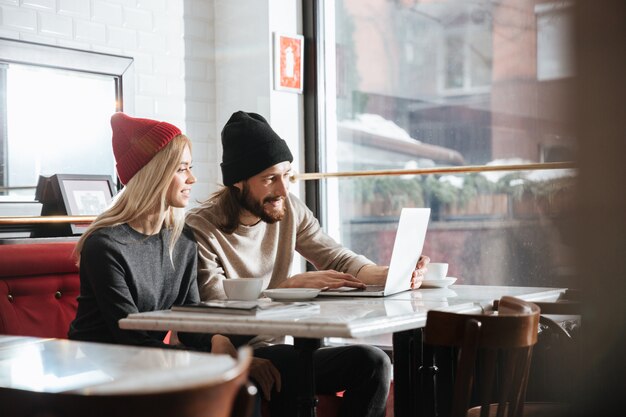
(438,283)
(292,294)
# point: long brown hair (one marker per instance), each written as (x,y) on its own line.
(226,201)
(145,194)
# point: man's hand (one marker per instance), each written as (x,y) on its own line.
(418,273)
(322,279)
(265,374)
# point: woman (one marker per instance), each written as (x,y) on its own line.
(137,256)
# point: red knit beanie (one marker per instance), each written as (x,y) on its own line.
(136,141)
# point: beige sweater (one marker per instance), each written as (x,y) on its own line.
(264,250)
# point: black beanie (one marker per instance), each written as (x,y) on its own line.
(250,146)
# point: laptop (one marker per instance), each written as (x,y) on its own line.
(407,250)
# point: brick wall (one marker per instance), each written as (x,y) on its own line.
(172,43)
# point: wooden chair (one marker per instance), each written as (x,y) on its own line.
(230,396)
(554,371)
(497,347)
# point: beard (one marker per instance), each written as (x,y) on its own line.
(257,208)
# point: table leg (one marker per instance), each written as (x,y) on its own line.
(306,387)
(414,373)
(407,360)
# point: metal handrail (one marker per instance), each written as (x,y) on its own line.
(438,170)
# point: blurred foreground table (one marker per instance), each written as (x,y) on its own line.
(33,370)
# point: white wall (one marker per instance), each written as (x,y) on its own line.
(286,108)
(244,67)
(196,61)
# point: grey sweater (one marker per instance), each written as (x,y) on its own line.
(123,271)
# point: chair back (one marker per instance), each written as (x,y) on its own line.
(227,396)
(494,353)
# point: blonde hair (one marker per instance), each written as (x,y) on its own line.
(145,194)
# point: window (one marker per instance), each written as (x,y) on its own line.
(466,47)
(554,47)
(464,89)
(57,104)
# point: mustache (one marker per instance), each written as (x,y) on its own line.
(271,199)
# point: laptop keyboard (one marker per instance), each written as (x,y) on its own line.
(369,288)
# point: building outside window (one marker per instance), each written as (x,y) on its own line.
(433,84)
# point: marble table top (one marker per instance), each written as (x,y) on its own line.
(353,317)
(57,365)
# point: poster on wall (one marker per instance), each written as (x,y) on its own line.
(288,57)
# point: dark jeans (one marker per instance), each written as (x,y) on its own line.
(363,372)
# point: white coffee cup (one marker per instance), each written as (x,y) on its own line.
(436,271)
(243,288)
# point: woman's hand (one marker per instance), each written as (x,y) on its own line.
(418,273)
(265,374)
(222,344)
(262,371)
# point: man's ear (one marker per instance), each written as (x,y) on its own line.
(239,185)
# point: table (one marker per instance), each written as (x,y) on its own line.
(40,365)
(403,315)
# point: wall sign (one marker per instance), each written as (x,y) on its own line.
(288,60)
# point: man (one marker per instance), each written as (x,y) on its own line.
(252,227)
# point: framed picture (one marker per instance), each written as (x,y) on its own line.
(86,196)
(288,62)
(75,195)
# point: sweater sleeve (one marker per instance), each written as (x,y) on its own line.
(319,248)
(210,271)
